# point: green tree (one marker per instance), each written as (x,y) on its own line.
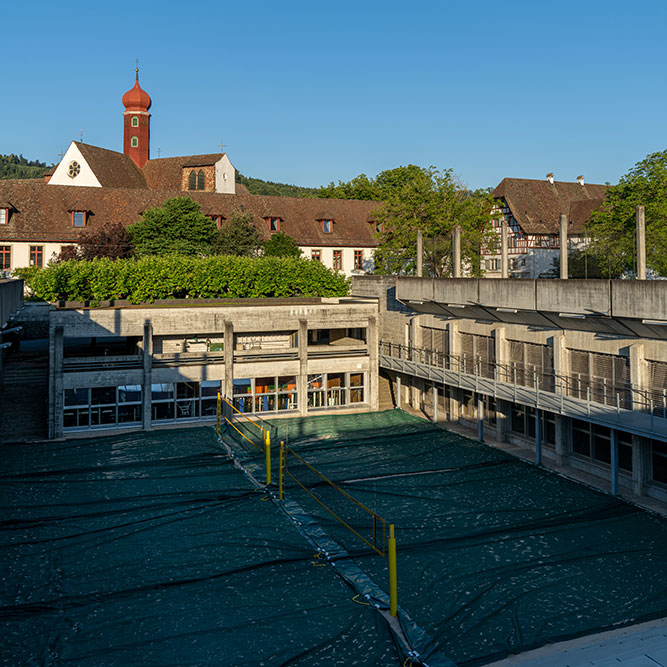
(281,245)
(238,236)
(434,202)
(371,189)
(613,229)
(178,227)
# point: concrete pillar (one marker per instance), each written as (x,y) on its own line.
(56,397)
(147,349)
(480,417)
(640,216)
(641,464)
(399,389)
(562,436)
(563,247)
(501,351)
(455,353)
(538,436)
(638,375)
(228,386)
(504,259)
(503,420)
(614,462)
(561,363)
(456,252)
(435,404)
(302,379)
(420,253)
(373,385)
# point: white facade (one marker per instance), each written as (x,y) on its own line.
(225,176)
(20,252)
(347,258)
(74,170)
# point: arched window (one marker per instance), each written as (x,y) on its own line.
(135,121)
(192,181)
(135,142)
(200,180)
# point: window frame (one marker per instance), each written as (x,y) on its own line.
(337,260)
(4,215)
(273,223)
(36,255)
(84,218)
(5,257)
(316,254)
(358,260)
(135,121)
(134,141)
(327,225)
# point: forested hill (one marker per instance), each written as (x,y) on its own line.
(12,166)
(259,187)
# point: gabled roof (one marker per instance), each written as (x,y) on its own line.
(112,169)
(43,212)
(166,173)
(537,204)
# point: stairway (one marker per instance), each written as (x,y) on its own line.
(24,397)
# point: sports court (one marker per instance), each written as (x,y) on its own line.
(160,549)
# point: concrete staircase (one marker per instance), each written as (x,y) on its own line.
(24,397)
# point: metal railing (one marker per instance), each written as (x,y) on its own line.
(592,389)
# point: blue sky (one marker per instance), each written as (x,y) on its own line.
(310,92)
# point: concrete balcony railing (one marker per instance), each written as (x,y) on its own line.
(632,409)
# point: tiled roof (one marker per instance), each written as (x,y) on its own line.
(42,212)
(537,204)
(113,169)
(165,173)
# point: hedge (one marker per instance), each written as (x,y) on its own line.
(173,277)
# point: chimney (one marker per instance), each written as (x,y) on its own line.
(580,179)
(550,177)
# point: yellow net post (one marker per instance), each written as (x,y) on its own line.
(393,577)
(267,447)
(281,471)
(218,412)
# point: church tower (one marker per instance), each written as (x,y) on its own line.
(137,124)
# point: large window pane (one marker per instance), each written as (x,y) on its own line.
(162,411)
(129,393)
(161,392)
(210,388)
(129,414)
(265,385)
(187,409)
(242,386)
(102,395)
(76,396)
(187,390)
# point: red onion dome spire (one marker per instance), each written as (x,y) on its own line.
(136,99)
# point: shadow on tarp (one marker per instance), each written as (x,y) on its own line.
(495,555)
(155,549)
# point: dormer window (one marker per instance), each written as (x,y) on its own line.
(135,121)
(4,216)
(273,224)
(217,219)
(379,227)
(327,226)
(79,218)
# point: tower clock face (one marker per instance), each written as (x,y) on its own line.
(73,169)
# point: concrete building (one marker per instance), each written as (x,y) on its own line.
(139,367)
(572,373)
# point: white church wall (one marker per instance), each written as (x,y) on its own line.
(85,176)
(225,176)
